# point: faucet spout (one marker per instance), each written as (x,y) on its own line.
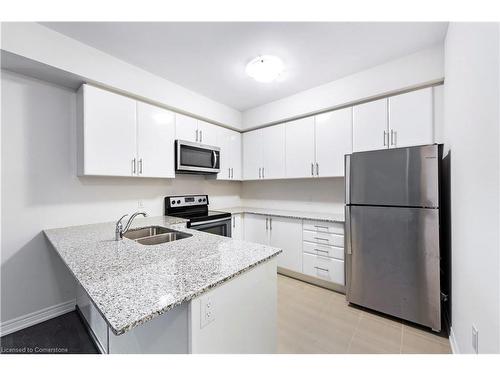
(119,230)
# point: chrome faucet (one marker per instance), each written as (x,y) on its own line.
(119,230)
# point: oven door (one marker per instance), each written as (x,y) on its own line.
(222,227)
(191,157)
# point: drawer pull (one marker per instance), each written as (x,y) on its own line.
(321,269)
(322,251)
(321,226)
(322,239)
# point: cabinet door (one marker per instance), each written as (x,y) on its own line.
(155,141)
(186,128)
(273,144)
(369,126)
(237,227)
(224,142)
(109,133)
(411,118)
(207,133)
(300,148)
(333,141)
(235,155)
(287,235)
(252,154)
(256,229)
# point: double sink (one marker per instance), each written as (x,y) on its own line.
(154,235)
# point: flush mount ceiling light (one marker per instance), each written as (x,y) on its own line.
(265,68)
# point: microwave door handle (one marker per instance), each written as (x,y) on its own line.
(214,154)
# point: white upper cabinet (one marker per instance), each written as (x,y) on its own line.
(333,142)
(229,142)
(300,146)
(370,126)
(252,155)
(186,128)
(193,130)
(207,133)
(107,133)
(411,119)
(273,146)
(155,141)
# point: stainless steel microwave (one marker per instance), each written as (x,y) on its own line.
(196,158)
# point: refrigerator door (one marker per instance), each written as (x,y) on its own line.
(392,262)
(394,177)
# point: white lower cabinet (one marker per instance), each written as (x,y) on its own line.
(286,234)
(237,226)
(328,269)
(256,228)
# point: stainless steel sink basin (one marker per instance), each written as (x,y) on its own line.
(155,235)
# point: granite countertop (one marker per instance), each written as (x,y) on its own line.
(132,283)
(320,216)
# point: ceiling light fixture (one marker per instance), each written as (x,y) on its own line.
(265,68)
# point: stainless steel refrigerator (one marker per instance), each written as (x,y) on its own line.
(392,240)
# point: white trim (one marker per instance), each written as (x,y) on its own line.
(36,317)
(453,342)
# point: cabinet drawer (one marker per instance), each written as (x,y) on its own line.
(324,268)
(324,250)
(324,238)
(325,227)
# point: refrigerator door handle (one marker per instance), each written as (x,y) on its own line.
(348,248)
(348,251)
(347,172)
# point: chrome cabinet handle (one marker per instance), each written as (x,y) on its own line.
(317,169)
(321,269)
(395,138)
(392,137)
(229,173)
(260,176)
(267,225)
(234,222)
(263,172)
(133,166)
(321,226)
(312,169)
(322,239)
(140,166)
(385,133)
(201,135)
(232,173)
(196,135)
(322,251)
(271,223)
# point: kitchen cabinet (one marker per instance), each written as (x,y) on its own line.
(286,234)
(333,140)
(273,147)
(300,145)
(193,130)
(252,155)
(229,142)
(264,153)
(155,141)
(370,126)
(256,228)
(107,141)
(237,226)
(411,118)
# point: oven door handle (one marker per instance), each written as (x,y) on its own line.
(210,221)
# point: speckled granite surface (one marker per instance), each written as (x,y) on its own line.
(132,283)
(320,216)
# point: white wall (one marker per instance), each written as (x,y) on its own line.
(40,190)
(316,195)
(421,68)
(41,44)
(471,133)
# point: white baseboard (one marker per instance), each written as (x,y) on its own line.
(453,342)
(36,317)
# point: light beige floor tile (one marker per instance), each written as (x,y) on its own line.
(414,343)
(374,335)
(428,334)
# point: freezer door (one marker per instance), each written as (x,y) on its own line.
(392,262)
(394,177)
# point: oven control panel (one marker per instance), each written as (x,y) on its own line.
(187,200)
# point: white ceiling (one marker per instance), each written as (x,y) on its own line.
(210,58)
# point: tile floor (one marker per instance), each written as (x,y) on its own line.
(316,320)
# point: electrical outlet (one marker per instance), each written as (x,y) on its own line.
(475,339)
(207,311)
(140,204)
